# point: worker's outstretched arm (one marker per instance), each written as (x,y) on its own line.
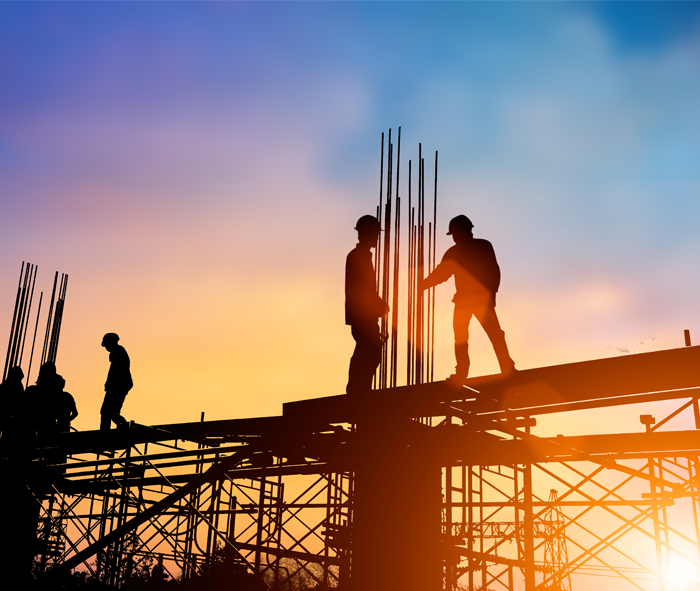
(442,273)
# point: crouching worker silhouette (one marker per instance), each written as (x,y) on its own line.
(118,383)
(477,275)
(363,307)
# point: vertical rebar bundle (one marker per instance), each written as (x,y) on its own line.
(20,317)
(420,357)
(421,244)
(21,320)
(57,319)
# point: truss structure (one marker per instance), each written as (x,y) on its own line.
(276,499)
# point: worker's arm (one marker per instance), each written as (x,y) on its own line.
(442,273)
(73,408)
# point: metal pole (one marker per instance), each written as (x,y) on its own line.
(386,260)
(395,300)
(429,339)
(377,250)
(59,317)
(431,295)
(409,286)
(47,336)
(470,521)
(26,326)
(528,522)
(657,529)
(23,316)
(419,276)
(20,317)
(693,474)
(12,328)
(36,327)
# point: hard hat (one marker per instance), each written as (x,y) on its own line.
(461,222)
(366,223)
(15,373)
(110,337)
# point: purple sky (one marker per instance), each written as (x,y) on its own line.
(197,169)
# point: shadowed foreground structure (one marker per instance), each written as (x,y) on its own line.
(421,487)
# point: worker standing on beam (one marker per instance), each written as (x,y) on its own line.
(477,275)
(118,383)
(363,307)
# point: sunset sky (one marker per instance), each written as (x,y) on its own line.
(197,170)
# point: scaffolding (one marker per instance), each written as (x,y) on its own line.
(275,499)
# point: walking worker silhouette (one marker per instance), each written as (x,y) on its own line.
(477,275)
(363,307)
(118,383)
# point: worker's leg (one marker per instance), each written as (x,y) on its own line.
(111,409)
(366,357)
(106,412)
(486,316)
(118,403)
(460,323)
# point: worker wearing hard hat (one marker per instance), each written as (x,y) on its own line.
(473,264)
(118,383)
(363,306)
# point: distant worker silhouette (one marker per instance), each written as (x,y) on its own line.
(363,307)
(38,406)
(11,399)
(118,383)
(473,264)
(65,409)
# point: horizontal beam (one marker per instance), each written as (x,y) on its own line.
(282,553)
(531,389)
(482,557)
(447,446)
(658,371)
(460,446)
(84,486)
(209,432)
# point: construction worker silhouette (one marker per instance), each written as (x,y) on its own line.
(38,402)
(363,307)
(11,398)
(65,409)
(473,264)
(118,383)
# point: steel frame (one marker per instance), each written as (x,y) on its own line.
(273,497)
(256,515)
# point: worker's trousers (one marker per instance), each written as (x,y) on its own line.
(485,312)
(366,357)
(112,408)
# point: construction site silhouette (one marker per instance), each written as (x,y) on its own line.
(406,482)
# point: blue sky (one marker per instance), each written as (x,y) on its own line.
(197,169)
